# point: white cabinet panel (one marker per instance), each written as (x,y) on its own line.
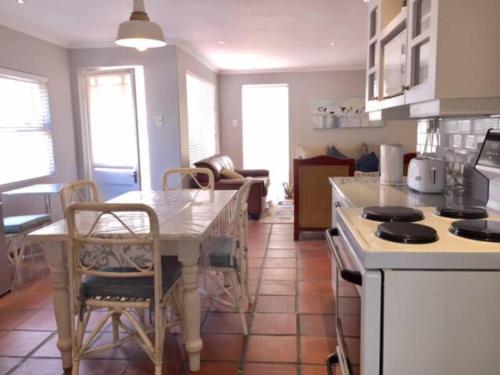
(441,323)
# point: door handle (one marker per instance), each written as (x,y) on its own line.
(135,176)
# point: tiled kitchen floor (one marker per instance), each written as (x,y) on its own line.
(290,321)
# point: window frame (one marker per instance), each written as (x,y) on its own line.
(30,77)
(213,86)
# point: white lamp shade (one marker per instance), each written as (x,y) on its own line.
(140,34)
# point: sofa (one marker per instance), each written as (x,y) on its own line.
(258,192)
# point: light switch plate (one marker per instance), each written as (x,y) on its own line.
(159,121)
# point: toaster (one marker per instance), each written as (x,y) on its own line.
(427,175)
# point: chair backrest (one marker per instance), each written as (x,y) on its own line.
(113,240)
(78,191)
(189,174)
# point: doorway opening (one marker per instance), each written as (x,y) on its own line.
(111,131)
(265,123)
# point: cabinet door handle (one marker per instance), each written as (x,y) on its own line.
(405,88)
(337,204)
(347,274)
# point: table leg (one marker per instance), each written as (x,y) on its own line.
(56,257)
(188,256)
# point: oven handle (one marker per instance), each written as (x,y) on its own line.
(352,276)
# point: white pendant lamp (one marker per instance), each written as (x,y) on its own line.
(139,32)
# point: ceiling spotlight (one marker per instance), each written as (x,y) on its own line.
(221,42)
(20,1)
(333,43)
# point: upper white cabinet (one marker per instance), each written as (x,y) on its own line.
(439,57)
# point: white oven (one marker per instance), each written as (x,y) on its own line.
(358,304)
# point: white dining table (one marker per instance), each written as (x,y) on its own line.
(186,218)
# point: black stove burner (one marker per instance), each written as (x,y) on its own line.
(480,230)
(409,233)
(471,213)
(392,213)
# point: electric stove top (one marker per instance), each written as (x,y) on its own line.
(395,247)
(392,213)
(479,230)
(455,212)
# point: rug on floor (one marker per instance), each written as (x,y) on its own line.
(281,213)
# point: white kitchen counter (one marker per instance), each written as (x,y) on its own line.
(367,191)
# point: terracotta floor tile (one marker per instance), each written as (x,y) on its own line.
(49,349)
(10,318)
(275,304)
(282,228)
(282,244)
(254,273)
(256,252)
(7,363)
(316,304)
(281,253)
(321,273)
(281,236)
(255,262)
(269,369)
(40,367)
(274,324)
(316,349)
(20,343)
(223,323)
(317,325)
(217,368)
(126,350)
(32,301)
(313,254)
(102,367)
(313,263)
(280,263)
(272,349)
(313,370)
(278,288)
(279,274)
(222,347)
(40,321)
(315,287)
(147,367)
(312,244)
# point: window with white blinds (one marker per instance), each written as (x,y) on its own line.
(201,118)
(26,149)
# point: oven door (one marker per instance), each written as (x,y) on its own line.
(347,279)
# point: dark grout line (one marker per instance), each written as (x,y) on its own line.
(28,356)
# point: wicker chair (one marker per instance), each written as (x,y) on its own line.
(116,265)
(188,177)
(312,191)
(77,192)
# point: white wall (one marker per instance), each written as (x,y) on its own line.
(160,75)
(303,89)
(22,52)
(187,63)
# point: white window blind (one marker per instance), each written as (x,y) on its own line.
(201,118)
(26,149)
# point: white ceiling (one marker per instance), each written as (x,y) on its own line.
(258,35)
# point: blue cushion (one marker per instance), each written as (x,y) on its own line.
(138,287)
(22,223)
(332,151)
(367,163)
(220,255)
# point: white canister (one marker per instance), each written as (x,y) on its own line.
(391,164)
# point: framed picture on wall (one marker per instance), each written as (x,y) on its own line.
(341,114)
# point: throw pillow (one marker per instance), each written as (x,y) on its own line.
(367,163)
(229,173)
(332,151)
